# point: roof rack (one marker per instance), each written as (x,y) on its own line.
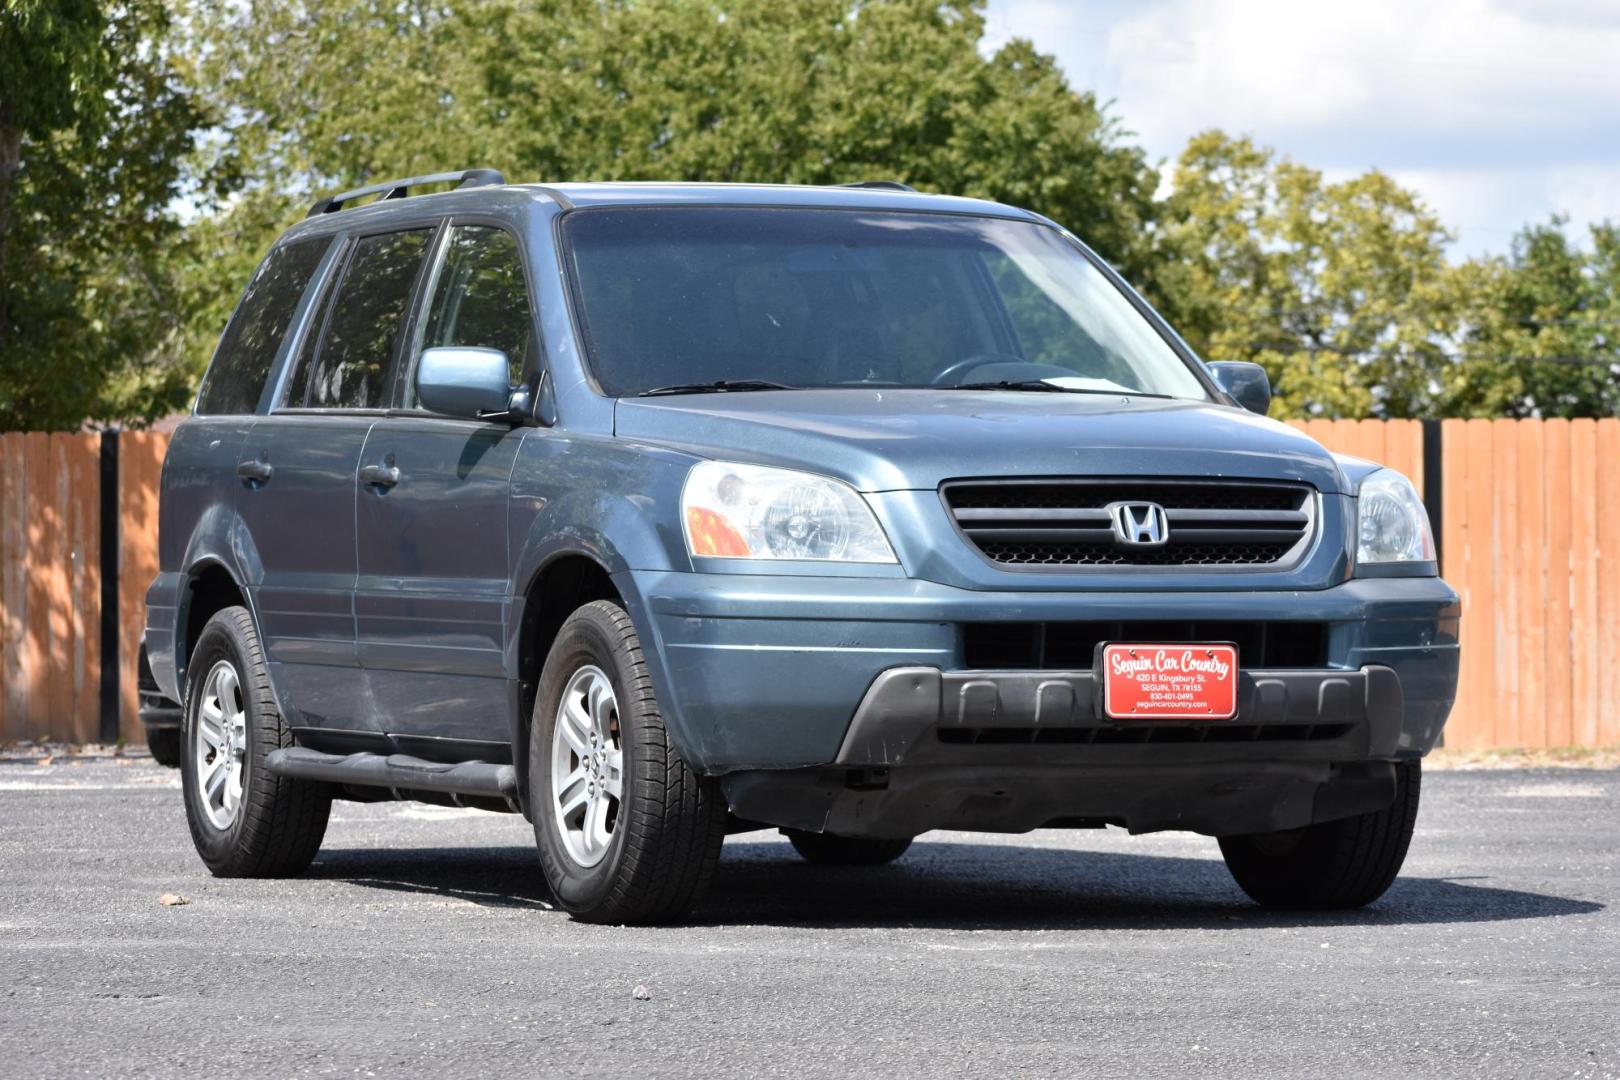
(400,189)
(886,185)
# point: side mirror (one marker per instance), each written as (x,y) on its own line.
(462,381)
(1246,384)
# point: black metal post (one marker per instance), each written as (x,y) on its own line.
(109,586)
(1434,484)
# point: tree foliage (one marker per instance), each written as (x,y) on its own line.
(1344,293)
(1540,329)
(109,306)
(813,92)
(94,128)
(1338,289)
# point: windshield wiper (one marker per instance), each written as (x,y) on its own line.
(722,386)
(1041,386)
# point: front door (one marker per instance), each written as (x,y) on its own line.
(432,597)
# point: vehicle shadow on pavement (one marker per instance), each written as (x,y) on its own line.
(500,877)
(947,885)
(997,886)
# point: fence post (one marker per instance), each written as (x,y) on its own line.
(1434,485)
(109,586)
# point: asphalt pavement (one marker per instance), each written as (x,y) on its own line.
(423,942)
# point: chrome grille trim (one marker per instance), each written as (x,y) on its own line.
(1065,524)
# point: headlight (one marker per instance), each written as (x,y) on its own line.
(751,512)
(1392,525)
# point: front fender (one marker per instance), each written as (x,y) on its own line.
(610,529)
(615,503)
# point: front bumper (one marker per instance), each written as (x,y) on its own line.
(768,672)
(1011,751)
(921,716)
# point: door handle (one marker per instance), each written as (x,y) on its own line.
(384,476)
(254,471)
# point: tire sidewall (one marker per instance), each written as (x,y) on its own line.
(1333,865)
(586,638)
(219,640)
(164,746)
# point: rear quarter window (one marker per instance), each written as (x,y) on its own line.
(235,380)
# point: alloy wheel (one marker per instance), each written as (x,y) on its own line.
(587,766)
(220,743)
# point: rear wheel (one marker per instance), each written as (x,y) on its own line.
(825,849)
(1333,865)
(245,821)
(164,745)
(627,832)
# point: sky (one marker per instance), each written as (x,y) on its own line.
(1498,112)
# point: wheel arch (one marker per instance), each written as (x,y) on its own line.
(210,587)
(566,580)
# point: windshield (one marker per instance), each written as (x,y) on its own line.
(696,298)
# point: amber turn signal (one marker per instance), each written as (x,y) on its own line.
(711,534)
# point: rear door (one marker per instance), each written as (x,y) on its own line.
(431,599)
(200,482)
(297,476)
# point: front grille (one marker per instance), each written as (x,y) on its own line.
(1040,524)
(1153,732)
(1071,646)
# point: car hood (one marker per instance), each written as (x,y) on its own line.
(891,440)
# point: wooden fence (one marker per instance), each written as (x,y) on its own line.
(50,586)
(51,582)
(1529,528)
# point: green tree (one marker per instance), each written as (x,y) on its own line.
(1540,329)
(1338,289)
(93,131)
(319,96)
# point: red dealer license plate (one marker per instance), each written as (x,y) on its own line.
(1169,682)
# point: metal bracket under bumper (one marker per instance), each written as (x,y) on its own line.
(921,715)
(159,713)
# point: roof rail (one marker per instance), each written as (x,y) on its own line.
(400,189)
(886,185)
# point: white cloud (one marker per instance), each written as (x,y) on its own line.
(1500,111)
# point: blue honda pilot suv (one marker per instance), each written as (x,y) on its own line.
(656,512)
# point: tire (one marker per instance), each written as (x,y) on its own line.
(276,824)
(650,854)
(1334,865)
(825,849)
(164,744)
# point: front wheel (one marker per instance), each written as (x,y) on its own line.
(627,832)
(1332,865)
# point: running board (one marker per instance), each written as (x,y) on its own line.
(397,771)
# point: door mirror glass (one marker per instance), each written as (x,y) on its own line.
(1245,384)
(464,381)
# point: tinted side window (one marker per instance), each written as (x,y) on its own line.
(353,356)
(480,297)
(248,348)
